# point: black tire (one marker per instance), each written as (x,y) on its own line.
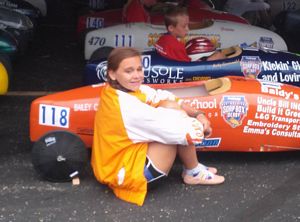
(101,53)
(58,156)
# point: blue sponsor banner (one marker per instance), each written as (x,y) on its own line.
(209,142)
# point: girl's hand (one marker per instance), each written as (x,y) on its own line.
(206,124)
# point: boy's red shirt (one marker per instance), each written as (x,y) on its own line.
(169,47)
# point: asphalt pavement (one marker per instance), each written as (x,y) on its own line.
(258,186)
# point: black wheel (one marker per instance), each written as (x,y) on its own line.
(59,156)
(101,53)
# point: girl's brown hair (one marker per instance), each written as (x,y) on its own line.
(116,56)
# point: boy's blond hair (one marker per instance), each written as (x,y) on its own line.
(171,16)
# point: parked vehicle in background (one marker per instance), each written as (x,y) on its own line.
(144,36)
(100,19)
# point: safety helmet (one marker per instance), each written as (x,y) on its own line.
(199,47)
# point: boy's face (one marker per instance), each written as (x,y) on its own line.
(129,73)
(182,27)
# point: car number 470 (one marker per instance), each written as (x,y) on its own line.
(54,115)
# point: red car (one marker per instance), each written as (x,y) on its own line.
(100,19)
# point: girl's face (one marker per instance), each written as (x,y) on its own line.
(130,73)
(182,27)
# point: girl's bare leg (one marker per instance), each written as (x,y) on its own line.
(162,155)
(188,156)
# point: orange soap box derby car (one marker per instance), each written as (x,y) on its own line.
(246,115)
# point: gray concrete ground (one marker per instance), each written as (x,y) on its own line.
(258,187)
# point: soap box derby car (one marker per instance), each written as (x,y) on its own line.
(143,36)
(246,115)
(266,64)
(101,19)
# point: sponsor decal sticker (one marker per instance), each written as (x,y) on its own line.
(234,109)
(152,38)
(101,71)
(251,66)
(275,88)
(160,74)
(281,71)
(209,142)
(50,140)
(266,42)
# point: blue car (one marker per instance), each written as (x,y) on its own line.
(266,64)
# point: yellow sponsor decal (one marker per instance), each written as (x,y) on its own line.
(200,78)
(152,38)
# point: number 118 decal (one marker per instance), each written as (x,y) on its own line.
(54,116)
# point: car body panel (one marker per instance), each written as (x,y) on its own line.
(245,114)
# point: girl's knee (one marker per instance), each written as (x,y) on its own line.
(162,155)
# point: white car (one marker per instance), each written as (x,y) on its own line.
(143,36)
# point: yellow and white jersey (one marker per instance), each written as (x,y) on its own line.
(124,124)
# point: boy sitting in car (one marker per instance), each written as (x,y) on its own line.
(169,45)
